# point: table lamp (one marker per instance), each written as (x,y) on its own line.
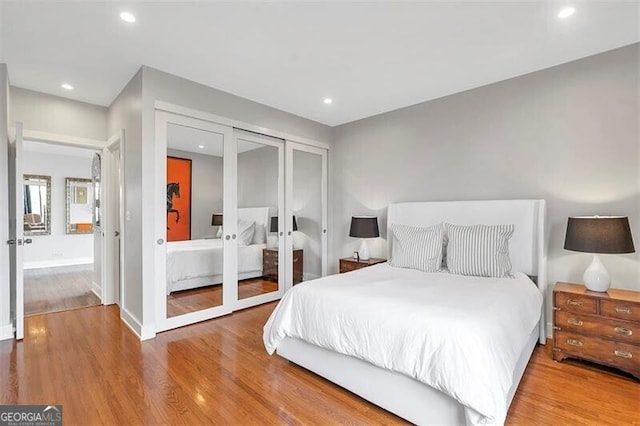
(364,227)
(216,220)
(598,235)
(273,227)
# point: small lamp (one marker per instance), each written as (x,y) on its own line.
(216,220)
(598,235)
(273,227)
(364,227)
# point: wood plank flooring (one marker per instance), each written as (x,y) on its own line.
(182,302)
(217,372)
(58,289)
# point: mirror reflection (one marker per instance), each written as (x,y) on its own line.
(37,205)
(79,205)
(258,257)
(194,190)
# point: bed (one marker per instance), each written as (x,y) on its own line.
(431,347)
(199,263)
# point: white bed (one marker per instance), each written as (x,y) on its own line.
(198,263)
(412,348)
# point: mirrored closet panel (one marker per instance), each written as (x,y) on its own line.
(260,196)
(308,201)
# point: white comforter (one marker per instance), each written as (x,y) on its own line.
(460,335)
(203,258)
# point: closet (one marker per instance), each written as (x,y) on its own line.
(241,216)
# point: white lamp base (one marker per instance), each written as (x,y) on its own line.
(596,277)
(363,252)
(219,233)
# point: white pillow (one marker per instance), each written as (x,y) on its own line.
(416,247)
(245,232)
(479,250)
(260,234)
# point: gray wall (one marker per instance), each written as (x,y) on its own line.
(258,178)
(568,134)
(53,114)
(5,320)
(126,113)
(206,191)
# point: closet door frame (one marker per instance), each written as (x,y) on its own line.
(230,268)
(292,146)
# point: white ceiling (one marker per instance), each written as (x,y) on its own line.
(370,57)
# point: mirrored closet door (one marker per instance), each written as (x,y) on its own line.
(260,195)
(306,200)
(195,265)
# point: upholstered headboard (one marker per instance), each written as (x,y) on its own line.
(527,247)
(259,215)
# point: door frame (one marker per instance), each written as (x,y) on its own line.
(16,231)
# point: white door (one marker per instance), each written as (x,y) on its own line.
(260,187)
(306,201)
(16,231)
(196,269)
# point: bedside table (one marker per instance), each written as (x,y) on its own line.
(598,327)
(270,265)
(350,264)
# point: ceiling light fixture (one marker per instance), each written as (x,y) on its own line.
(566,12)
(66,86)
(127,17)
(327,101)
(201,146)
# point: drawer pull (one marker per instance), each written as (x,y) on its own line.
(623,310)
(623,354)
(574,321)
(574,302)
(624,331)
(574,342)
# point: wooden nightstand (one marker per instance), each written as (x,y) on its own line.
(270,265)
(598,327)
(350,264)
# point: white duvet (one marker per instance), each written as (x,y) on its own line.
(203,258)
(460,335)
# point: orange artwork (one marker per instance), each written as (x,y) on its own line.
(178,199)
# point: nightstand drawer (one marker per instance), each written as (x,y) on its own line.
(619,309)
(611,328)
(616,354)
(576,303)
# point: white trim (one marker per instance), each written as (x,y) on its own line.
(55,138)
(95,288)
(241,125)
(6,332)
(143,332)
(37,264)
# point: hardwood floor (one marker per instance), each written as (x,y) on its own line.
(182,302)
(218,372)
(58,289)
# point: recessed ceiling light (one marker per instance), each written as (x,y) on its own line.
(566,12)
(66,86)
(327,101)
(201,146)
(127,17)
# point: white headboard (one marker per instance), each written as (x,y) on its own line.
(259,215)
(527,247)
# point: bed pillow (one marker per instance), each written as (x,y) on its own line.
(259,235)
(415,247)
(479,250)
(245,232)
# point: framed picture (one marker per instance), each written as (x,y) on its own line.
(178,199)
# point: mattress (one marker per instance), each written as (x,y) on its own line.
(460,335)
(198,262)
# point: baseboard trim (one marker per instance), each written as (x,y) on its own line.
(6,332)
(143,332)
(57,262)
(95,288)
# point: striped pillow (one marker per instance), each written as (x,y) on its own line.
(418,248)
(479,250)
